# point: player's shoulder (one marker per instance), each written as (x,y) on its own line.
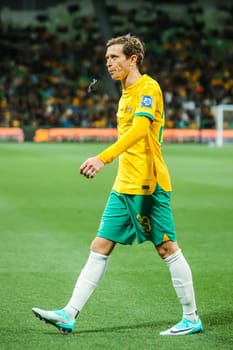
(150,83)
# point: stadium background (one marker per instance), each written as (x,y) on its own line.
(52,50)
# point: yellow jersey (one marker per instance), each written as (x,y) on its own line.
(140,121)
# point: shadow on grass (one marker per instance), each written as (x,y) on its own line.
(122,328)
(154,325)
(210,320)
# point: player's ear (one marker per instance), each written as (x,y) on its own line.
(134,58)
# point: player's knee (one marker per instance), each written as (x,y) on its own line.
(102,246)
(162,252)
(166,249)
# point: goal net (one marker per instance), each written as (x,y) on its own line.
(224,124)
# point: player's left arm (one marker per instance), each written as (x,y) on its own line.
(91,167)
(138,130)
(145,111)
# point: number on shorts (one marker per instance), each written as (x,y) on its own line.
(144,222)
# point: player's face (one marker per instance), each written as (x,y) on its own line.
(117,64)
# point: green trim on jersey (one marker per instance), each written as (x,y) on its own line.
(144,114)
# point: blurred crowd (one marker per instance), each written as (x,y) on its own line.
(45,77)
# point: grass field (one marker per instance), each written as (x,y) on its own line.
(48,217)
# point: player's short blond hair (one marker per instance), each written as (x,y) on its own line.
(132,45)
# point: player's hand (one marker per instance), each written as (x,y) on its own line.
(91,167)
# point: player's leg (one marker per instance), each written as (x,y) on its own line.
(163,236)
(181,277)
(114,228)
(90,276)
(87,282)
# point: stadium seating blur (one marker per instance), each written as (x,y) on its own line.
(47,65)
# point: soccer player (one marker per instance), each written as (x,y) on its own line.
(138,207)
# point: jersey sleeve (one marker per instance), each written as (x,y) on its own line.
(138,130)
(149,102)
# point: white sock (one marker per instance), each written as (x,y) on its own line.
(87,282)
(181,276)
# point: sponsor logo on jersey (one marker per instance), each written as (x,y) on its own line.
(147,101)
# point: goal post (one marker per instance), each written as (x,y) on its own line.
(224,122)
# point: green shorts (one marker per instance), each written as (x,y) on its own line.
(145,218)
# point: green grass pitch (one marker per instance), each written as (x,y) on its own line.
(48,217)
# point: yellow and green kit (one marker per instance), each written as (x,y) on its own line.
(142,171)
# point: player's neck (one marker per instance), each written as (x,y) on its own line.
(131,78)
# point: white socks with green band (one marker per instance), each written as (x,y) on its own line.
(94,270)
(181,276)
(87,282)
